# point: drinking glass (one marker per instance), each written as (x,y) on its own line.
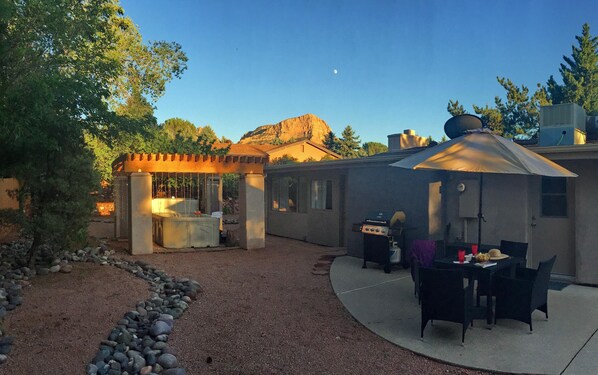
(474,249)
(461,255)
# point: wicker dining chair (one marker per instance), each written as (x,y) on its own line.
(517,298)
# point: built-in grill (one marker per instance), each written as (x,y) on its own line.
(382,232)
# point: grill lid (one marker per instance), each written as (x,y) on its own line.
(385,218)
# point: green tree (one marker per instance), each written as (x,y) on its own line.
(349,144)
(579,74)
(520,112)
(455,108)
(207,133)
(331,142)
(284,159)
(223,139)
(373,148)
(56,69)
(184,128)
(517,116)
(138,79)
(491,117)
(143,68)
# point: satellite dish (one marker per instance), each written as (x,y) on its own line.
(456,126)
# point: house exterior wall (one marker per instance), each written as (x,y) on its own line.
(319,226)
(504,206)
(357,191)
(432,202)
(300,151)
(586,217)
(389,189)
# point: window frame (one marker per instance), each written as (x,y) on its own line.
(321,195)
(547,191)
(286,189)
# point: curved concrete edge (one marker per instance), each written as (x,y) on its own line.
(385,304)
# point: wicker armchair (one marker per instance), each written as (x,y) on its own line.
(443,297)
(511,248)
(517,298)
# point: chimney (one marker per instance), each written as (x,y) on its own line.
(407,139)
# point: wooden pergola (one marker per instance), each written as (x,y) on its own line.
(242,159)
(133,190)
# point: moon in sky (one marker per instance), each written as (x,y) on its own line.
(335,71)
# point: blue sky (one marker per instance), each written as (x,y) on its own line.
(254,62)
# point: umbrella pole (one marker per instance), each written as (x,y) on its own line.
(480,215)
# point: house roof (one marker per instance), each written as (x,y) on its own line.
(364,162)
(241,149)
(313,144)
(571,152)
(269,148)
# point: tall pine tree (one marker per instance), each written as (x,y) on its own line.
(331,142)
(349,144)
(579,74)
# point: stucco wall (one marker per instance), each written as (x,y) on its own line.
(300,151)
(315,226)
(586,217)
(287,224)
(389,189)
(504,204)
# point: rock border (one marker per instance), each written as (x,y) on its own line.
(138,343)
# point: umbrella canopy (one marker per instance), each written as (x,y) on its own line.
(483,152)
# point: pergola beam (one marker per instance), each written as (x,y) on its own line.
(189,163)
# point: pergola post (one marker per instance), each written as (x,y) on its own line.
(121,206)
(252,212)
(140,213)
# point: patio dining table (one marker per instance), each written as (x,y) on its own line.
(477,272)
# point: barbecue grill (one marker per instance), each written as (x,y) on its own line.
(382,230)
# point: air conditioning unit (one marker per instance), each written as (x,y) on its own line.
(562,125)
(561,136)
(558,115)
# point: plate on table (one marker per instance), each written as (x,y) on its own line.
(485,264)
(457,262)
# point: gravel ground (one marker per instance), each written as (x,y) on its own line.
(63,318)
(261,312)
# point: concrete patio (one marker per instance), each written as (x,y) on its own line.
(384,303)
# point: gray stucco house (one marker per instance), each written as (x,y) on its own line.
(319,202)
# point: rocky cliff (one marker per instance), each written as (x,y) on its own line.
(303,127)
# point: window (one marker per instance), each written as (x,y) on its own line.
(288,194)
(554,197)
(321,194)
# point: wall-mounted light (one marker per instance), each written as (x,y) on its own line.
(139,170)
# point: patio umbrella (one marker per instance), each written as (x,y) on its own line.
(483,152)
